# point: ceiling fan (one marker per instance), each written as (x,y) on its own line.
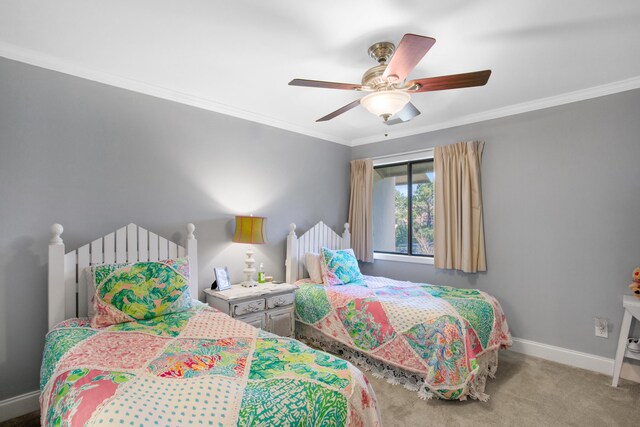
(390,93)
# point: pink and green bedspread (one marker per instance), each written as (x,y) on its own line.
(197,367)
(436,332)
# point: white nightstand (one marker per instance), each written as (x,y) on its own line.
(631,309)
(267,306)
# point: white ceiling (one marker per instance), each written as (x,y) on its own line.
(236,57)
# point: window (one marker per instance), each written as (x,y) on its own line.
(403,208)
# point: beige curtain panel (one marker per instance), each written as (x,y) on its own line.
(361,209)
(458,228)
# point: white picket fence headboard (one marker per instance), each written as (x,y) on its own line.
(69,291)
(319,236)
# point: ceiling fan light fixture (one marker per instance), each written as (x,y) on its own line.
(385,103)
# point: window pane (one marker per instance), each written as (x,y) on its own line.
(422,208)
(390,216)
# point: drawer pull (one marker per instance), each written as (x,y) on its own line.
(280,300)
(253,307)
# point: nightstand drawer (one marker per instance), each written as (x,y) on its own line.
(280,300)
(248,307)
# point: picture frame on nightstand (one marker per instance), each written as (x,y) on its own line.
(222,281)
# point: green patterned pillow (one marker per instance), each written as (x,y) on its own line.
(139,291)
(339,267)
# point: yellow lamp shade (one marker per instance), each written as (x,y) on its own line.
(250,229)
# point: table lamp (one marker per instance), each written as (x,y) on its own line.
(250,230)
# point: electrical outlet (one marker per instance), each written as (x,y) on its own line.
(602,327)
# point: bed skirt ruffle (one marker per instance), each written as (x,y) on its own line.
(487,363)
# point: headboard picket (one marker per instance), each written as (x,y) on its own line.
(69,291)
(320,235)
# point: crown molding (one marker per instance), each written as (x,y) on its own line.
(538,104)
(38,59)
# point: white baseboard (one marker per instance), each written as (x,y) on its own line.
(577,359)
(19,405)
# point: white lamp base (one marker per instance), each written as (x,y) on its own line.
(249,271)
(249,284)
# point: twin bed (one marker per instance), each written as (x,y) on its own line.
(437,340)
(146,352)
(165,361)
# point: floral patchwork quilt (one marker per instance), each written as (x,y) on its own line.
(437,332)
(196,367)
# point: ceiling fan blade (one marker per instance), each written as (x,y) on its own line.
(339,111)
(410,51)
(324,85)
(454,81)
(407,113)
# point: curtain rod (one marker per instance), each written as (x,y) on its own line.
(404,153)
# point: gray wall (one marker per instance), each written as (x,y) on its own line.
(561,198)
(95,158)
(561,190)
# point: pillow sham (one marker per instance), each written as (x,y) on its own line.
(339,267)
(139,291)
(312,262)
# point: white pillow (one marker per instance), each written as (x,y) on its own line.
(312,262)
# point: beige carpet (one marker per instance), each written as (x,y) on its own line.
(527,391)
